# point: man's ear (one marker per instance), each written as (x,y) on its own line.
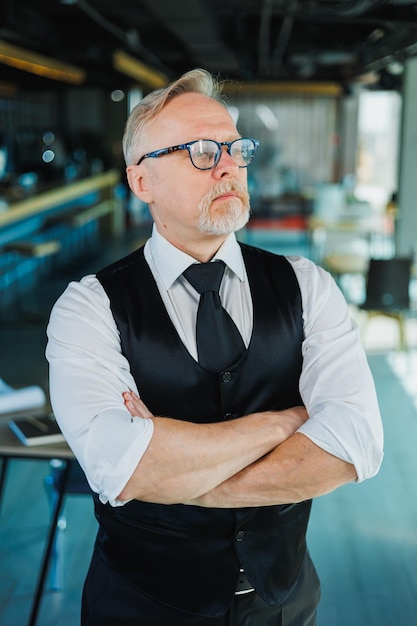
(138,179)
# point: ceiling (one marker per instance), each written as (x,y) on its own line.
(243,40)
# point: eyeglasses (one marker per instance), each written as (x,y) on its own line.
(205,153)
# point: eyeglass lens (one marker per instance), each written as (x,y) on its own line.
(205,153)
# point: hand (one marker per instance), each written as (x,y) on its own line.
(135,406)
(288,421)
(291,419)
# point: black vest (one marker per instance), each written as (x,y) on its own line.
(187,556)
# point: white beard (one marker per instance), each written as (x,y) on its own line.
(233,216)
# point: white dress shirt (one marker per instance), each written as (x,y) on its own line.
(88,372)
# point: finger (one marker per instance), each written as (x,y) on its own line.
(135,406)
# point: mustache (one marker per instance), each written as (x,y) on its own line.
(227,186)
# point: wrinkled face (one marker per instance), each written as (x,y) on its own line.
(188,204)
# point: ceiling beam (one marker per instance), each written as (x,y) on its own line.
(140,72)
(38,64)
(286,88)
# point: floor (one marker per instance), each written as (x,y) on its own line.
(363,538)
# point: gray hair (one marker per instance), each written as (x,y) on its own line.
(195,81)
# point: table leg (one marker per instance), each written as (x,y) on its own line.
(49,545)
(4,466)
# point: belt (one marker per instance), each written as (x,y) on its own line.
(243,584)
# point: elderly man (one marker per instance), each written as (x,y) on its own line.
(203,456)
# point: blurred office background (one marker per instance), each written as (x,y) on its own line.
(330,90)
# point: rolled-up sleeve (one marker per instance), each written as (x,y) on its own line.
(336,383)
(88,374)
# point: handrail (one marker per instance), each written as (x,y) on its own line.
(55,197)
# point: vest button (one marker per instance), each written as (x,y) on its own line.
(230,416)
(226,377)
(240,535)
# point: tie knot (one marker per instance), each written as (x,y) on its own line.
(205,276)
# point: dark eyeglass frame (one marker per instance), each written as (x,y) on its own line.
(186,146)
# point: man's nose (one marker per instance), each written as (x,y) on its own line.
(226,165)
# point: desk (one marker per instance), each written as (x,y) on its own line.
(11,447)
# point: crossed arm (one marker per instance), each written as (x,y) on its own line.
(257,460)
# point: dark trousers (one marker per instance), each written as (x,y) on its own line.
(109,601)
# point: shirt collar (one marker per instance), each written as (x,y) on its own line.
(172,262)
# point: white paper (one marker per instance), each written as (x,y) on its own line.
(12,400)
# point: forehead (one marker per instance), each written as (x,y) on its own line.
(191,116)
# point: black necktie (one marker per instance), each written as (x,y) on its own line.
(219,343)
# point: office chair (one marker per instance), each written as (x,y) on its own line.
(387,292)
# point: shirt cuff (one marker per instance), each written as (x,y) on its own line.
(348,436)
(122,441)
